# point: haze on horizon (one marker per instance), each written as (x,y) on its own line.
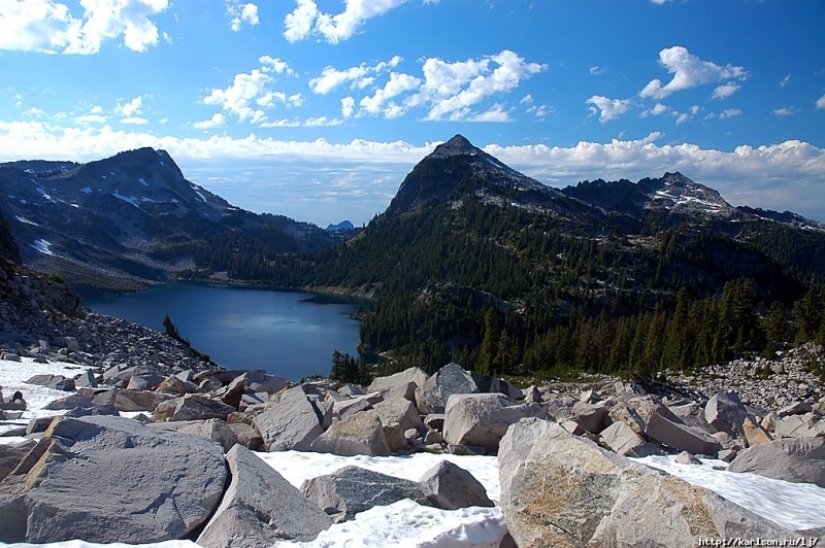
(317,109)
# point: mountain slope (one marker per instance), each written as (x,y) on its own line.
(128,219)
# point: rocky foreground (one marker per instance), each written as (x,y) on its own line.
(151,444)
(179,463)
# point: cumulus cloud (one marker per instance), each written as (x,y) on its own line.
(48,26)
(347,106)
(595,71)
(131,108)
(242,13)
(820,103)
(725,90)
(217,120)
(381,100)
(785,81)
(358,77)
(781,176)
(688,72)
(249,95)
(452,90)
(608,109)
(306,19)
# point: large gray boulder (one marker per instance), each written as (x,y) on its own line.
(401,411)
(359,434)
(624,441)
(107,479)
(680,436)
(590,417)
(401,384)
(216,430)
(55,382)
(191,407)
(432,396)
(450,487)
(725,412)
(12,454)
(260,508)
(808,425)
(292,423)
(134,400)
(482,419)
(351,490)
(800,460)
(561,490)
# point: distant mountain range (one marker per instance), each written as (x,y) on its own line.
(121,222)
(467,250)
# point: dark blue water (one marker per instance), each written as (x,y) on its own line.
(289,334)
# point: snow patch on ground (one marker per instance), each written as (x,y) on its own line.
(25,221)
(43,246)
(795,506)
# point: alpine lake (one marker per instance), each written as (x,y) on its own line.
(290,334)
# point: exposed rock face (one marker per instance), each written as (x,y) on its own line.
(800,460)
(725,413)
(167,484)
(293,423)
(559,490)
(359,434)
(482,419)
(352,490)
(450,487)
(401,384)
(451,379)
(260,508)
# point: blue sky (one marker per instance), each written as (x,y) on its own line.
(316,109)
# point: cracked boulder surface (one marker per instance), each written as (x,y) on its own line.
(107,479)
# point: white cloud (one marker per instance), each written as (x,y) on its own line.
(306,19)
(298,23)
(608,109)
(358,77)
(97,109)
(496,113)
(90,119)
(688,72)
(725,90)
(785,81)
(730,113)
(347,106)
(784,111)
(780,176)
(820,103)
(595,71)
(451,90)
(526,100)
(539,111)
(380,101)
(273,64)
(48,26)
(249,94)
(134,120)
(241,13)
(131,108)
(217,120)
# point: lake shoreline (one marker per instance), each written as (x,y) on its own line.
(291,333)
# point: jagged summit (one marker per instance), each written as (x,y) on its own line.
(458,145)
(456,168)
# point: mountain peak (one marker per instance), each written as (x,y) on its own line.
(457,146)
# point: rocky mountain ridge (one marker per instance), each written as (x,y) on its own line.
(127,220)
